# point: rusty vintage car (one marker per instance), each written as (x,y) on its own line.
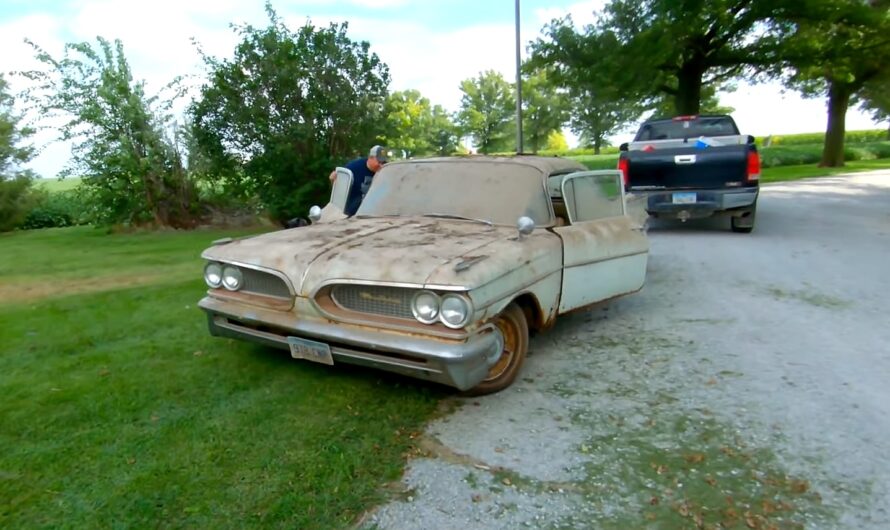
(441,274)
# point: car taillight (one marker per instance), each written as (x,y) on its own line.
(624,168)
(753,166)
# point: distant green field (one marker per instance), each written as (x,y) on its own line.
(54,185)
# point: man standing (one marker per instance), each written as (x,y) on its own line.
(363,170)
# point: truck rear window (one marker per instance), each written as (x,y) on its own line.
(679,129)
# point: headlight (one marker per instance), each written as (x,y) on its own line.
(232,279)
(425,307)
(213,274)
(455,311)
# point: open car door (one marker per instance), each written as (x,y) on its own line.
(604,250)
(333,210)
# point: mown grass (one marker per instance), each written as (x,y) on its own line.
(119,410)
(54,185)
(785,173)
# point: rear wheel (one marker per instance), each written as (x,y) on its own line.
(744,225)
(513,326)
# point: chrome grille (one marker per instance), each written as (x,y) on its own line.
(263,283)
(375,299)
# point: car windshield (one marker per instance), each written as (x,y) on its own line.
(496,191)
(687,128)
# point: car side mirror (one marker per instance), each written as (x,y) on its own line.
(525,225)
(750,140)
(315,213)
(623,147)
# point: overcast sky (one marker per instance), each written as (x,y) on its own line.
(429,46)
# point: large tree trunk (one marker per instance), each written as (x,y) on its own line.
(838,101)
(687,100)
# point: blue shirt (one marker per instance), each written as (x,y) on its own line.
(361,181)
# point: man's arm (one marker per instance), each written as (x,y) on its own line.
(333,176)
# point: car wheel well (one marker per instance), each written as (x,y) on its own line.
(532,309)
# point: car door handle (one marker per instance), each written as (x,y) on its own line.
(684,159)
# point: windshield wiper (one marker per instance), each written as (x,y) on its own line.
(452,216)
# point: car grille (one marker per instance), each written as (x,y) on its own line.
(258,282)
(375,299)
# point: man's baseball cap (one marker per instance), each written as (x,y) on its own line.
(379,152)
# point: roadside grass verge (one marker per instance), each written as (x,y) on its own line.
(785,173)
(120,410)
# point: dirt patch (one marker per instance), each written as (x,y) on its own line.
(34,290)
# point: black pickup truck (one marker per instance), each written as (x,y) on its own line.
(694,166)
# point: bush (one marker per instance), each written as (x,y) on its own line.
(796,155)
(55,209)
(852,137)
(16,197)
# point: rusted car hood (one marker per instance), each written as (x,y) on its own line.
(402,250)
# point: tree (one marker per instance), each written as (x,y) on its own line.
(838,54)
(15,182)
(544,110)
(444,134)
(288,107)
(678,47)
(556,141)
(409,123)
(604,92)
(663,105)
(123,150)
(487,111)
(876,99)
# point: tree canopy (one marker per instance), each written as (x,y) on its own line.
(14,180)
(289,106)
(487,111)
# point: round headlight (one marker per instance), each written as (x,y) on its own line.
(213,274)
(425,307)
(455,311)
(232,278)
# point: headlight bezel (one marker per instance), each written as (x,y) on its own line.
(231,271)
(466,305)
(219,274)
(426,319)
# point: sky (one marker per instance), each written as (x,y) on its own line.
(429,46)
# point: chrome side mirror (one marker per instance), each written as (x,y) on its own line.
(315,213)
(525,225)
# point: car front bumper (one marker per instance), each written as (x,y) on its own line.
(460,364)
(707,202)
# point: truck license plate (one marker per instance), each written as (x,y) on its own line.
(684,198)
(310,350)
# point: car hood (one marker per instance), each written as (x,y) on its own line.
(418,251)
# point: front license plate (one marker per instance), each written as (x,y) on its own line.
(684,198)
(310,350)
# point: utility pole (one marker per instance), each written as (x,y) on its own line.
(518,87)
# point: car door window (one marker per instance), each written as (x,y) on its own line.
(340,191)
(592,195)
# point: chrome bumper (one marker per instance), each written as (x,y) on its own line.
(460,364)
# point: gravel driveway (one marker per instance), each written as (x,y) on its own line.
(747,385)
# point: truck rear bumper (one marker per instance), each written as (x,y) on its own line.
(691,204)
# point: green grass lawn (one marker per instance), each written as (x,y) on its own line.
(783,173)
(119,410)
(53,185)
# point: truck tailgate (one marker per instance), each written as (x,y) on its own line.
(688,167)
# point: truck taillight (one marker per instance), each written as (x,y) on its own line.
(753,166)
(624,168)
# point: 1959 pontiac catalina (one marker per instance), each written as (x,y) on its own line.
(442,273)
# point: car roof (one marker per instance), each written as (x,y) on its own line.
(549,165)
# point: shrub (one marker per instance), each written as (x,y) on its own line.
(55,209)
(16,198)
(852,137)
(795,155)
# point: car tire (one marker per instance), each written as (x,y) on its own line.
(743,225)
(514,327)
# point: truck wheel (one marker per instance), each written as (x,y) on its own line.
(744,225)
(514,327)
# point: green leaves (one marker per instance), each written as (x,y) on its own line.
(487,111)
(289,106)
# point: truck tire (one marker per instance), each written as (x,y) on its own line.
(744,225)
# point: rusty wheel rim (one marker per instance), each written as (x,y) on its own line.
(510,332)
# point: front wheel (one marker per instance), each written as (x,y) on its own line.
(514,328)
